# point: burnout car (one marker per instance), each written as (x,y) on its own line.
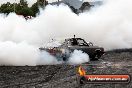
(64,50)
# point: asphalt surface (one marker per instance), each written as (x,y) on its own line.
(65,76)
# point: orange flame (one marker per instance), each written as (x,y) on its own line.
(81,71)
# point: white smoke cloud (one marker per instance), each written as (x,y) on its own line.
(17,54)
(108,26)
(103,26)
(47,59)
(78,57)
(21,54)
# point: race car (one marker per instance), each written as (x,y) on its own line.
(64,50)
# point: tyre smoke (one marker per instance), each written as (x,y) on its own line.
(108,26)
(78,57)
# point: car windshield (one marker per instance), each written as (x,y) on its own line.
(78,41)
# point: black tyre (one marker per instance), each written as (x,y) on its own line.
(97,54)
(64,59)
(83,80)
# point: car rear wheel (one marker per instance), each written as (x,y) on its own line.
(64,58)
(82,80)
(97,54)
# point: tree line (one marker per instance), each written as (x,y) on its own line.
(22,8)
